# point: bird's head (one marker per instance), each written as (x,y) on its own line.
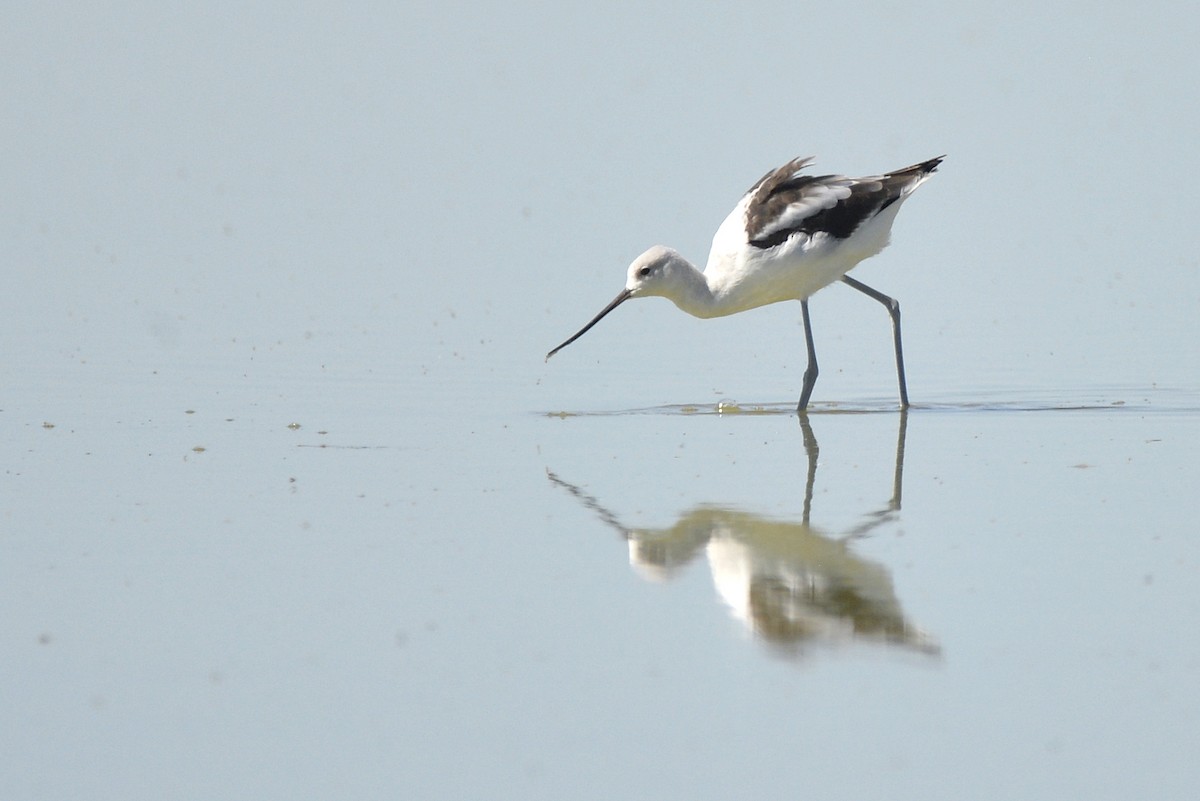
(654,273)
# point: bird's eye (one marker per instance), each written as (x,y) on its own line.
(644,272)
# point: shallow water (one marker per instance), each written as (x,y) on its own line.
(700,598)
(293,507)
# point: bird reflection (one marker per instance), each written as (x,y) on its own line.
(796,586)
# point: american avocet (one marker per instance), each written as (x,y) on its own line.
(789,236)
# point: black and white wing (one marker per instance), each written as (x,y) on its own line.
(786,202)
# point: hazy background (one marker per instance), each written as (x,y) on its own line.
(371,222)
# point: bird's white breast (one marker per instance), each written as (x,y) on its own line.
(742,276)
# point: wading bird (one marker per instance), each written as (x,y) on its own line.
(789,236)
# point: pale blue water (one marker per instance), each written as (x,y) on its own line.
(292,507)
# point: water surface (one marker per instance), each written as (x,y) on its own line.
(293,508)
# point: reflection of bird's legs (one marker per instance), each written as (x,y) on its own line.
(813,450)
(893,505)
(898,482)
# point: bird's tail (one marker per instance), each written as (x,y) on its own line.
(904,181)
(918,170)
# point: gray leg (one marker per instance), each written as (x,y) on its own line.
(893,307)
(810,374)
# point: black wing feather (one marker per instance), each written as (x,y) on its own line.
(782,188)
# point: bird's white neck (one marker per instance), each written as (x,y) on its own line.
(716,293)
(690,291)
(663,272)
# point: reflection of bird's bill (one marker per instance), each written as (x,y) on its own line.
(617,301)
